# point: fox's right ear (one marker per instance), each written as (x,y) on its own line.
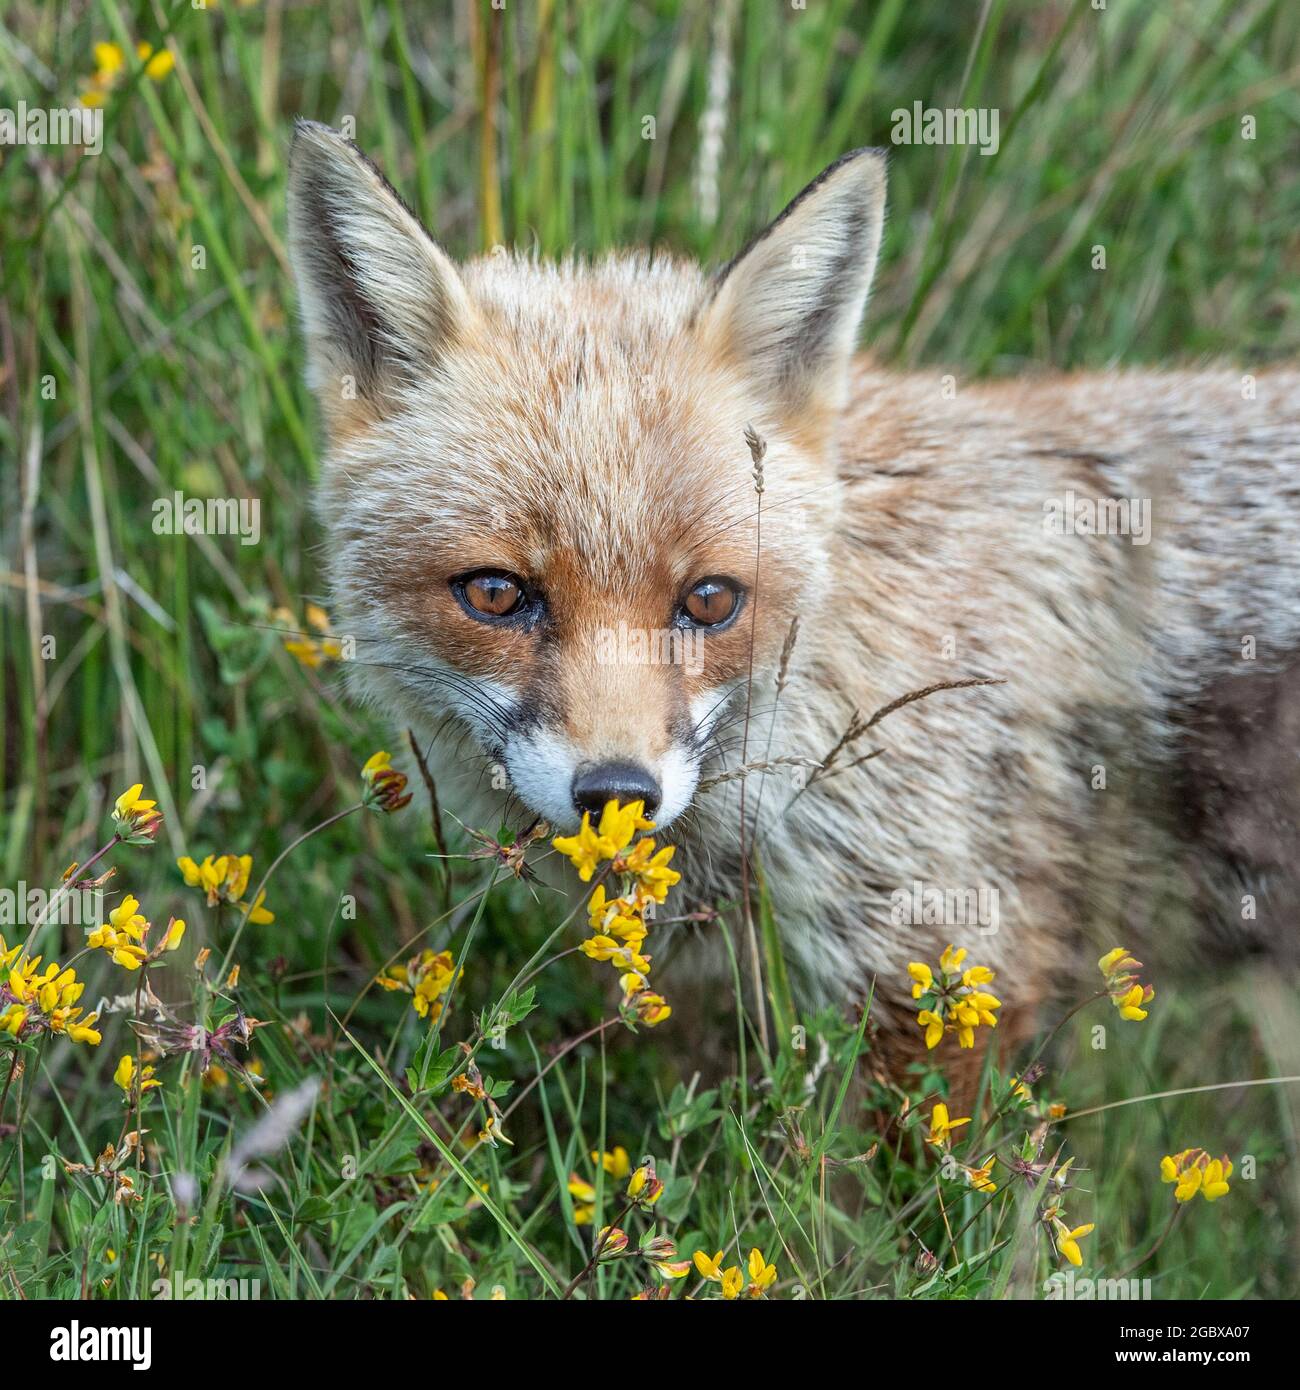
(380,300)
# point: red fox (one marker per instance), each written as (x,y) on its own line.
(575,511)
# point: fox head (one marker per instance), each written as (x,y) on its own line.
(544,523)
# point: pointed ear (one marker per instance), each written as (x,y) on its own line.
(380,300)
(787,309)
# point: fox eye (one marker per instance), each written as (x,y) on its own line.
(490,594)
(711,602)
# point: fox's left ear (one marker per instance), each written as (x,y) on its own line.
(381,301)
(787,309)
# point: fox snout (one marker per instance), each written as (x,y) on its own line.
(570,759)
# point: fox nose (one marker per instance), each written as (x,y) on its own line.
(621,782)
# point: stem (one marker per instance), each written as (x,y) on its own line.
(751,935)
(64,889)
(977,1142)
(435,815)
(1160,1240)
(596,1253)
(1181,1091)
(275,864)
(9,1081)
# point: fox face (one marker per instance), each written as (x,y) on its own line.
(547,527)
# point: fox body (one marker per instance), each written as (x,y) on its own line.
(529,462)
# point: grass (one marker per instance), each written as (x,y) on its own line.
(147,326)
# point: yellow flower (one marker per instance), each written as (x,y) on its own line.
(584,1200)
(471,1086)
(492,1134)
(941,1126)
(1195,1171)
(110,63)
(1067,1241)
(124,1075)
(1126,991)
(951,959)
(650,870)
(109,59)
(956,1002)
(175,931)
(225,880)
(708,1268)
(620,917)
(584,850)
(1215,1182)
(733,1281)
(1115,960)
(645,1187)
(661,1253)
(127,917)
(83,1032)
(600,947)
(123,935)
(650,1008)
(977,1007)
(618,824)
(620,956)
(1130,1003)
(426,977)
(136,820)
(156,65)
(761,1274)
(617,1164)
(36,1001)
(385,787)
(610,1242)
(307,650)
(933,1026)
(981,1178)
(620,924)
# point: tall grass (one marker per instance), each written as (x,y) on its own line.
(147,328)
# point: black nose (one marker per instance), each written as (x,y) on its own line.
(621,782)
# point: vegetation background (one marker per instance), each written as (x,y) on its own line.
(150,286)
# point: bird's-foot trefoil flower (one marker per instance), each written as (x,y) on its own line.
(1129,995)
(1193,1171)
(953,1000)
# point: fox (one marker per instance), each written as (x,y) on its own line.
(1072,596)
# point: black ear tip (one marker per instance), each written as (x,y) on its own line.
(868,161)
